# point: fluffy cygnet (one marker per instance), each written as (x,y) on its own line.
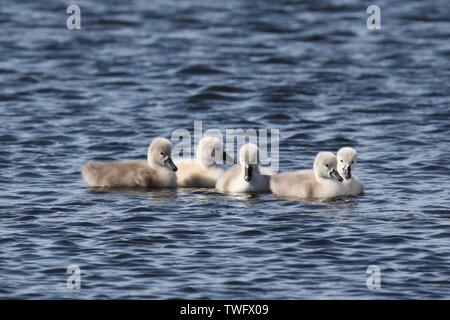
(206,169)
(157,171)
(245,177)
(320,183)
(346,162)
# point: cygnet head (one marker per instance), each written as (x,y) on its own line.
(160,153)
(346,162)
(249,159)
(325,166)
(210,152)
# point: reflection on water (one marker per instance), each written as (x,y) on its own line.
(139,69)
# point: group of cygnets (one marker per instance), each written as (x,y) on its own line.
(331,176)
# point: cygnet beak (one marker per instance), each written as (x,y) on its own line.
(169,164)
(335,175)
(248,173)
(347,173)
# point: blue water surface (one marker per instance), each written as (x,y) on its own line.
(140,69)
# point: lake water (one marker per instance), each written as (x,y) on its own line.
(140,69)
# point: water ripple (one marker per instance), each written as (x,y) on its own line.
(138,70)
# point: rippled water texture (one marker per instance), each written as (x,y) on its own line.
(139,69)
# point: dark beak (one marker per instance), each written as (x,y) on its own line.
(348,173)
(248,173)
(169,164)
(335,175)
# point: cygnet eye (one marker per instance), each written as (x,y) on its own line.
(342,160)
(161,153)
(327,166)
